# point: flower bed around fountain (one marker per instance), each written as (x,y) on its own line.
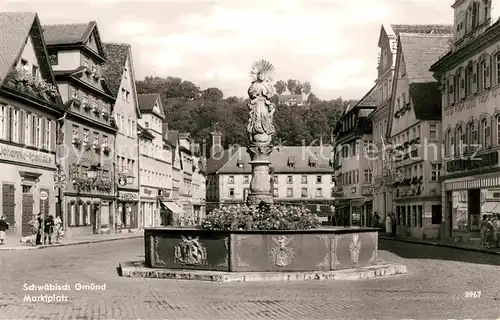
(264,238)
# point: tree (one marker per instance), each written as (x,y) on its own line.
(306,87)
(280,86)
(312,99)
(212,94)
(291,85)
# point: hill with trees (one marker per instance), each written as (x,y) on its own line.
(191,109)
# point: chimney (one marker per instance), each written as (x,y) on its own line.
(164,129)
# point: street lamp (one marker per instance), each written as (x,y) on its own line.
(92,173)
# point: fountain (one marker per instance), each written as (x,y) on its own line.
(250,252)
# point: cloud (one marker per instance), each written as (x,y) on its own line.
(342,74)
(131,28)
(227,73)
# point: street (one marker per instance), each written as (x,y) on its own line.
(436,286)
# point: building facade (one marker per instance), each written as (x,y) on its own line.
(186,179)
(155,163)
(415,135)
(120,77)
(198,199)
(470,83)
(300,175)
(29,107)
(353,154)
(77,55)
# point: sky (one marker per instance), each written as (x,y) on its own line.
(330,43)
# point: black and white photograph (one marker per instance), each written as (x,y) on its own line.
(249,159)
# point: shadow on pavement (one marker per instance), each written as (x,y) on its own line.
(422,251)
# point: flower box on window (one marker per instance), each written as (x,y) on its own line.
(103,185)
(76,142)
(105,115)
(86,106)
(82,184)
(88,71)
(96,76)
(97,148)
(26,82)
(95,110)
(397,114)
(106,150)
(77,103)
(87,146)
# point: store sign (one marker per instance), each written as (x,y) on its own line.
(127,196)
(18,154)
(477,162)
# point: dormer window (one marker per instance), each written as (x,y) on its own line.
(24,65)
(240,164)
(291,162)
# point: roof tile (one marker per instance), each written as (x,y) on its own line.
(66,33)
(113,69)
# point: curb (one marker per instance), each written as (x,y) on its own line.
(27,247)
(138,270)
(440,245)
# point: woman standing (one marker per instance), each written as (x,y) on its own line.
(388,224)
(4,226)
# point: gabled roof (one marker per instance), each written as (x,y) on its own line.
(144,133)
(419,52)
(114,68)
(370,99)
(15,29)
(72,34)
(393,30)
(147,103)
(290,98)
(284,159)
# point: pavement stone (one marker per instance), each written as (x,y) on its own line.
(94,238)
(436,287)
(444,243)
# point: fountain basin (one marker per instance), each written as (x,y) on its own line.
(321,249)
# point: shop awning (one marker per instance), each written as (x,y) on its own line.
(172,207)
(490,208)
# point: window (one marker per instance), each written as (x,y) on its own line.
(75,132)
(485,134)
(146,124)
(246,179)
(436,171)
(319,179)
(125,72)
(289,192)
(105,141)
(24,65)
(433,133)
(304,180)
(124,94)
(231,192)
(34,71)
(127,96)
(498,130)
(86,136)
(231,180)
(303,192)
(275,193)
(356,176)
(85,98)
(95,141)
(27,129)
(319,192)
(15,125)
(367,176)
(3,121)
(497,59)
(484,83)
(289,179)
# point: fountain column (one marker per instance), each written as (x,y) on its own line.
(260,130)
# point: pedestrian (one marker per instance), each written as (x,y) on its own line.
(58,231)
(393,224)
(388,224)
(39,230)
(34,229)
(496,229)
(484,230)
(4,226)
(48,230)
(376,219)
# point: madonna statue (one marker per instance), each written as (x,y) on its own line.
(260,123)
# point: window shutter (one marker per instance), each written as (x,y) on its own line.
(22,115)
(488,72)
(9,123)
(53,133)
(33,130)
(491,132)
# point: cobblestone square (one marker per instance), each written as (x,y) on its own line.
(436,287)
